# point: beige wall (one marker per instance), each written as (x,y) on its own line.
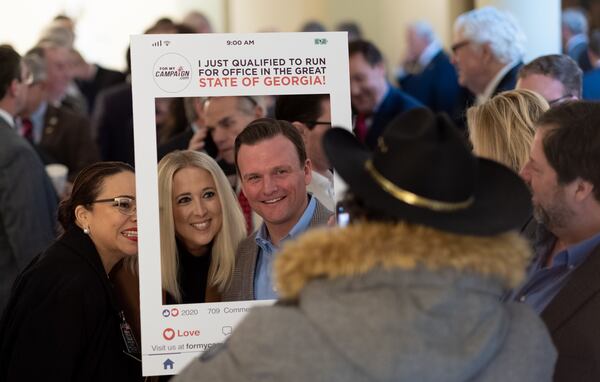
(382,21)
(284,16)
(103,33)
(215,10)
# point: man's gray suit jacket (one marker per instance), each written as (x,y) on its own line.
(27,207)
(242,283)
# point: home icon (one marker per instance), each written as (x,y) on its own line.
(168,364)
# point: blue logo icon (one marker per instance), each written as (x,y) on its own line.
(166,313)
(168,364)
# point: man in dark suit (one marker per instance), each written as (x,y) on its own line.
(563,281)
(591,79)
(427,73)
(271,161)
(58,134)
(27,198)
(374,101)
(112,123)
(487,51)
(93,78)
(195,136)
(574,29)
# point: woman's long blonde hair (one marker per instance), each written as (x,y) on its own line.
(233,229)
(502,128)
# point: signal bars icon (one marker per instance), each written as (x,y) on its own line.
(160,43)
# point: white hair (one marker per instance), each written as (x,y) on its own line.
(57,35)
(499,29)
(424,30)
(574,19)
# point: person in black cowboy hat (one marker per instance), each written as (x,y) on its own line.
(410,290)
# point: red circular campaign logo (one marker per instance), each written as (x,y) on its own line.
(172,72)
(174,312)
(168,334)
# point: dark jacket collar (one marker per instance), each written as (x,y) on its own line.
(84,247)
(575,294)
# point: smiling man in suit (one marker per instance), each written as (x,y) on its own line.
(274,169)
(374,101)
(563,283)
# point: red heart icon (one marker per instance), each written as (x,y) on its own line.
(168,334)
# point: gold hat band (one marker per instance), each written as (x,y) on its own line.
(414,199)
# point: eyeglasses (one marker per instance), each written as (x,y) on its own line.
(312,124)
(454,48)
(560,100)
(125,205)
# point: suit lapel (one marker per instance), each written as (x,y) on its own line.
(377,126)
(509,80)
(248,267)
(4,124)
(50,125)
(249,254)
(584,284)
(320,216)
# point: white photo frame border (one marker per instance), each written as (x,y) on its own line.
(173,335)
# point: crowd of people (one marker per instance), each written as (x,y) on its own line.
(472,253)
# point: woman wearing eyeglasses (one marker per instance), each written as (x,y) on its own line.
(201,224)
(62,321)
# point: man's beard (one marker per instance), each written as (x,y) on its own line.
(553,217)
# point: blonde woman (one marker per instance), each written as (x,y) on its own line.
(502,128)
(201,225)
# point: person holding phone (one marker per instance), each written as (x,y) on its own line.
(410,290)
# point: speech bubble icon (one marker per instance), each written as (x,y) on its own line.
(227,330)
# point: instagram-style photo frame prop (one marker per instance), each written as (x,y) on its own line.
(203,65)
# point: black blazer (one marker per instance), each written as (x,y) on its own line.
(67,139)
(436,86)
(573,319)
(181,142)
(509,81)
(62,320)
(103,79)
(112,123)
(394,103)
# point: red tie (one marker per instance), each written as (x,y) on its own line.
(27,129)
(360,127)
(246,210)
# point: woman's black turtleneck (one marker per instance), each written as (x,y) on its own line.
(192,275)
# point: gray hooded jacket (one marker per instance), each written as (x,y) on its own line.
(377,302)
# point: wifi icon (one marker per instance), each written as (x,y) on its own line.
(167,43)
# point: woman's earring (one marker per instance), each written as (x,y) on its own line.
(86,230)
